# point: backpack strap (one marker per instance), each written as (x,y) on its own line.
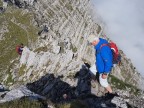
(115,53)
(98,51)
(104,45)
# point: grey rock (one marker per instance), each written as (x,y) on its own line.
(19,93)
(119,102)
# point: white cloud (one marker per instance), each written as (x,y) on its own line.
(124,21)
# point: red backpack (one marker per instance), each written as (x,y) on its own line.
(115,52)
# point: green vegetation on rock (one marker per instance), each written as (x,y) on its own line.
(74,49)
(19,30)
(22,103)
(69,6)
(44,49)
(0,3)
(21,70)
(73,104)
(119,84)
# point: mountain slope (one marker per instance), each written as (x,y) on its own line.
(54,34)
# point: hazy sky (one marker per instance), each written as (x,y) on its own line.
(124,20)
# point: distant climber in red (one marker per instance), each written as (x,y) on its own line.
(19,49)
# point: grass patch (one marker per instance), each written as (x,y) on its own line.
(122,85)
(74,49)
(20,31)
(1,3)
(9,73)
(24,21)
(22,18)
(22,103)
(127,75)
(7,46)
(44,49)
(22,70)
(74,104)
(9,79)
(69,6)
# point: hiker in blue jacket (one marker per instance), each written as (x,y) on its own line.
(103,64)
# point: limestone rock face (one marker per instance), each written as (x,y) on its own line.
(61,47)
(54,34)
(18,93)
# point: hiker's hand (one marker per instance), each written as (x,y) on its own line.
(65,96)
(104,76)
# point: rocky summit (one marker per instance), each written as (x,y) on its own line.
(53,69)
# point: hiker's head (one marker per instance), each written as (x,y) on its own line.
(92,39)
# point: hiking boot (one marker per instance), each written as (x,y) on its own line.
(110,95)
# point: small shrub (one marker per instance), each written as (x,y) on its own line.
(44,49)
(69,7)
(98,29)
(74,49)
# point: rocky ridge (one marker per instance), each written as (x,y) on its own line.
(55,35)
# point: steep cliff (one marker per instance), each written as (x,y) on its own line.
(54,33)
(64,45)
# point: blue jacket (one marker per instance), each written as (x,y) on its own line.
(103,57)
